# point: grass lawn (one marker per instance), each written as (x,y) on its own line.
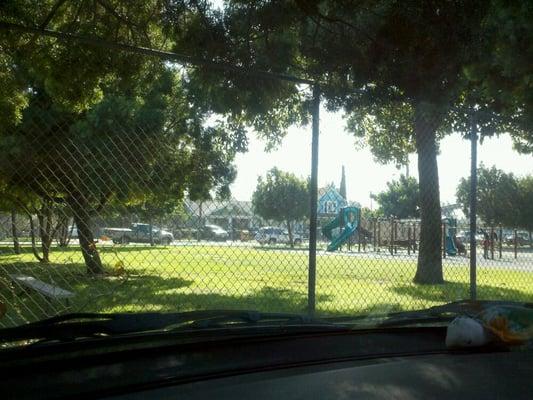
(198,277)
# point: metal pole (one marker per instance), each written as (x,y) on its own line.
(409,240)
(379,235)
(374,237)
(391,244)
(414,237)
(311,286)
(473,207)
(443,240)
(515,244)
(492,243)
(500,234)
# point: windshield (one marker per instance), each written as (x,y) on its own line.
(333,160)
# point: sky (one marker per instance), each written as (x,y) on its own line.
(363,174)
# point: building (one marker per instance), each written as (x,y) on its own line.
(330,201)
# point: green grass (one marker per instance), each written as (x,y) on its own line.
(199,277)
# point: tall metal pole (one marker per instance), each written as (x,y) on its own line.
(311,285)
(473,207)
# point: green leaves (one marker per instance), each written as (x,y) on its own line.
(281,197)
(499,197)
(400,200)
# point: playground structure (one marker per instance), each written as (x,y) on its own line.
(342,227)
(387,234)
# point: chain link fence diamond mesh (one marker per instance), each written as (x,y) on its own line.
(122,206)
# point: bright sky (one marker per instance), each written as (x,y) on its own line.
(363,175)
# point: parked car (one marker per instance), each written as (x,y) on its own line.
(73,231)
(273,235)
(214,232)
(464,237)
(139,233)
(522,239)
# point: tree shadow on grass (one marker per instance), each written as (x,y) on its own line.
(137,291)
(155,293)
(452,291)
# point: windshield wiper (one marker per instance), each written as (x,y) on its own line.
(79,325)
(440,314)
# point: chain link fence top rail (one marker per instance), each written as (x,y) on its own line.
(122,206)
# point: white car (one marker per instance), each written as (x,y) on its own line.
(73,231)
(464,237)
(273,235)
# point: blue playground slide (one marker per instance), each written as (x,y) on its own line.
(451,249)
(449,242)
(347,221)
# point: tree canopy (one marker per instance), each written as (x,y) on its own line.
(90,128)
(282,197)
(404,73)
(499,197)
(401,199)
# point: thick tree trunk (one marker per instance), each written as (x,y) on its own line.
(14,231)
(82,219)
(429,267)
(289,230)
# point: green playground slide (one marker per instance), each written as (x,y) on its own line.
(451,249)
(449,242)
(348,221)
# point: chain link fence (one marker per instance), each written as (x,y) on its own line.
(122,206)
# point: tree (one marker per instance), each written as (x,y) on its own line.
(86,127)
(282,197)
(401,199)
(505,77)
(525,209)
(342,187)
(14,232)
(498,196)
(395,68)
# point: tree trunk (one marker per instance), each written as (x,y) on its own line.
(429,267)
(32,235)
(289,230)
(16,244)
(82,219)
(63,232)
(45,226)
(151,231)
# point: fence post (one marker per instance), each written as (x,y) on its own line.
(409,240)
(473,207)
(414,237)
(358,241)
(391,244)
(374,238)
(443,240)
(500,234)
(492,243)
(515,244)
(394,242)
(379,235)
(311,285)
